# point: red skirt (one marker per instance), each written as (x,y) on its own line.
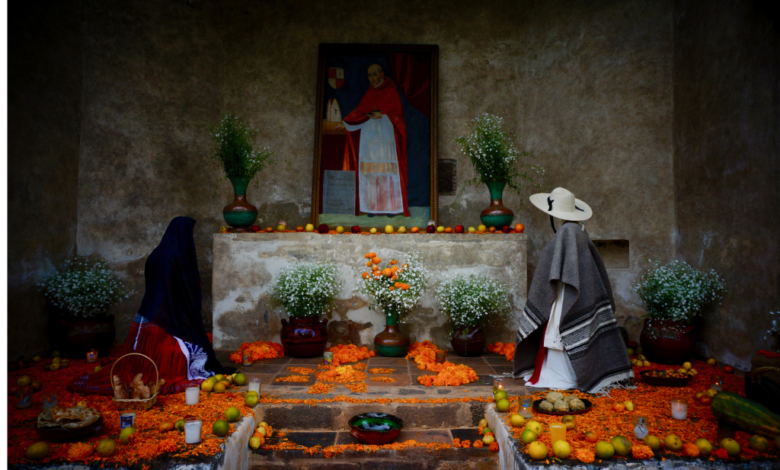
(150,340)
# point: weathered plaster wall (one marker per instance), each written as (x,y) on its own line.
(727,164)
(44,110)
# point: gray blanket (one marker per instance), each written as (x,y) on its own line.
(588,326)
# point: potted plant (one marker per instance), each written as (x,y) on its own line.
(496,160)
(470,301)
(306,291)
(234,150)
(395,287)
(673,295)
(83,291)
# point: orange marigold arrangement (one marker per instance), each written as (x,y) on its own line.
(341,374)
(505,349)
(642,452)
(383,379)
(258,350)
(424,355)
(300,370)
(293,378)
(378,370)
(320,388)
(80,451)
(346,353)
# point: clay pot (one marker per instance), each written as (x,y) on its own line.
(304,336)
(496,215)
(469,341)
(667,341)
(392,342)
(239,214)
(83,334)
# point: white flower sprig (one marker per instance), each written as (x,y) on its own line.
(677,291)
(307,289)
(84,288)
(233,148)
(470,300)
(400,291)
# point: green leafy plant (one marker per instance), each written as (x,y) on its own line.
(233,148)
(84,287)
(473,299)
(307,289)
(677,291)
(494,154)
(399,292)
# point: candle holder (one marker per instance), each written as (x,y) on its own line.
(23,397)
(498,384)
(254,385)
(92,355)
(526,407)
(192,395)
(717,383)
(192,426)
(127,419)
(441,356)
(49,400)
(327,358)
(641,427)
(679,408)
(247,357)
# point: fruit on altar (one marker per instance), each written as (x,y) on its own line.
(106,448)
(24,381)
(401,229)
(309,227)
(255,442)
(483,423)
(537,450)
(207,386)
(699,395)
(56,353)
(687,365)
(440,229)
(528,436)
(673,442)
(711,361)
(281,227)
(389,229)
(472,230)
(591,436)
(693,371)
(166,426)
(489,439)
(355,229)
(705,400)
(220,428)
(622,445)
(492,229)
(570,422)
(502,405)
(646,363)
(38,451)
(269,229)
(517,421)
(652,442)
(639,351)
(481,228)
(505,229)
(179,425)
(299,228)
(373,230)
(618,407)
(459,229)
(705,448)
(519,228)
(745,413)
(500,395)
(641,357)
(712,392)
(255,228)
(728,369)
(219,387)
(223,230)
(415,229)
(758,443)
(605,450)
(630,351)
(534,426)
(124,436)
(36,358)
(339,229)
(232,414)
(239,379)
(97,369)
(629,405)
(430,229)
(323,228)
(486,430)
(561,449)
(36,385)
(251,400)
(262,430)
(731,446)
(82,404)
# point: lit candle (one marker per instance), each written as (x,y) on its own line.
(192,430)
(247,357)
(441,356)
(92,355)
(192,395)
(640,427)
(717,383)
(254,385)
(679,408)
(498,384)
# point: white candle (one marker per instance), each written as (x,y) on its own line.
(192,431)
(254,385)
(679,409)
(192,394)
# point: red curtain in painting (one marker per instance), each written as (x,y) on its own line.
(412,73)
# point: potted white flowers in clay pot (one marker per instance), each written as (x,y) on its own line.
(82,292)
(306,291)
(673,296)
(470,301)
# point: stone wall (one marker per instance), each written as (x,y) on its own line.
(727,164)
(44,122)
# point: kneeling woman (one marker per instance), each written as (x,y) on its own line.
(168,327)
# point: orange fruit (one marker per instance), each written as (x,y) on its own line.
(519,228)
(414,230)
(365,275)
(387,272)
(299,229)
(591,436)
(618,407)
(448,230)
(492,229)
(376,260)
(393,261)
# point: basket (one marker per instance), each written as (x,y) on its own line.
(134,403)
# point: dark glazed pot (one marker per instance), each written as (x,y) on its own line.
(304,336)
(469,341)
(667,341)
(83,334)
(239,214)
(392,342)
(496,215)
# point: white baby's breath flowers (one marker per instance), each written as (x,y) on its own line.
(470,300)
(677,291)
(84,288)
(398,300)
(307,289)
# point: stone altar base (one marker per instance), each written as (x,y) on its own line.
(247,264)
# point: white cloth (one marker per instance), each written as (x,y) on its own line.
(196,360)
(379,180)
(557,372)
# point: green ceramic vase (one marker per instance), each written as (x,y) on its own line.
(240,215)
(496,215)
(392,342)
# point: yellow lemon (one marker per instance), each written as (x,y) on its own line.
(534,426)
(653,442)
(561,449)
(502,405)
(38,451)
(517,421)
(622,445)
(106,448)
(537,450)
(705,447)
(207,386)
(605,450)
(673,443)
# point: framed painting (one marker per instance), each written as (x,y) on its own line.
(375,151)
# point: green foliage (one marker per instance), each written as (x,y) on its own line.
(471,300)
(84,288)
(677,291)
(234,150)
(307,289)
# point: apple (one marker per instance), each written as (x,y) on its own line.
(356,229)
(255,228)
(430,229)
(705,399)
(519,228)
(505,229)
(339,229)
(323,228)
(472,230)
(459,229)
(401,229)
(728,369)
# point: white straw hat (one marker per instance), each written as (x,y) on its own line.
(561,204)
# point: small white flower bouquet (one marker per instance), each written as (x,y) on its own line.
(470,300)
(307,289)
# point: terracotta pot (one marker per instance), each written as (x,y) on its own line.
(667,341)
(239,214)
(468,341)
(496,215)
(391,342)
(304,336)
(83,334)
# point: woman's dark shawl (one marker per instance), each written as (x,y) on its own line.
(588,326)
(173,293)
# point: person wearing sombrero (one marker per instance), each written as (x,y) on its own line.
(568,336)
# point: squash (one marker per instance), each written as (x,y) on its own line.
(747,414)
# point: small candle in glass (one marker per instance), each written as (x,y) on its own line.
(441,356)
(254,385)
(23,397)
(92,355)
(49,400)
(526,408)
(327,358)
(192,395)
(498,384)
(557,432)
(127,420)
(192,427)
(679,408)
(247,357)
(641,429)
(717,383)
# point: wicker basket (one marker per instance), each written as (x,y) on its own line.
(134,403)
